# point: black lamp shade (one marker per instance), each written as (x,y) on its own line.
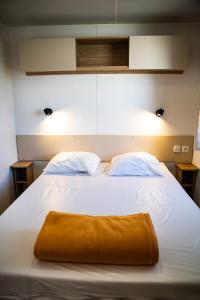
(159,112)
(48,111)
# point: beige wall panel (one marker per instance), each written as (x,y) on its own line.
(44,147)
(158,52)
(39,55)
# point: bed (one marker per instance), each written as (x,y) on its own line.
(176,220)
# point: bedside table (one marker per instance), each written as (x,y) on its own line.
(23,176)
(186,175)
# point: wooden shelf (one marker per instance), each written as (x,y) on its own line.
(21,181)
(23,176)
(186,175)
(21,164)
(187,184)
(102,52)
(187,167)
(104,70)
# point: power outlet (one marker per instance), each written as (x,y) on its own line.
(177,148)
(185,149)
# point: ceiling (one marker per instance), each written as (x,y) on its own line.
(57,12)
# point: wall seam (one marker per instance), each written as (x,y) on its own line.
(97,131)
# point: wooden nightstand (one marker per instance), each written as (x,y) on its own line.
(23,176)
(186,175)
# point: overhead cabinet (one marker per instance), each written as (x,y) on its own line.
(48,55)
(158,53)
(102,54)
(135,54)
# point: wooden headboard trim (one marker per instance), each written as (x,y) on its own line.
(44,147)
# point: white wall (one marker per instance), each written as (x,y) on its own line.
(196,158)
(106,104)
(196,161)
(8,153)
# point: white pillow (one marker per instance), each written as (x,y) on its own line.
(135,164)
(72,162)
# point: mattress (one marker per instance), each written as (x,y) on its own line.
(176,220)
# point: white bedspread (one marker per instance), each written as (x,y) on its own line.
(175,216)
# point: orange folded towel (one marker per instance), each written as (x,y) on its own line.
(128,240)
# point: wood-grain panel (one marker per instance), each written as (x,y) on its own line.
(103,52)
(44,147)
(105,70)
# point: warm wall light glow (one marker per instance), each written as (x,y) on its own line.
(56,123)
(150,124)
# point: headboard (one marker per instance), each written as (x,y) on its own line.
(44,147)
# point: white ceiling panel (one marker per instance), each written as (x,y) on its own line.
(55,12)
(158,11)
(60,12)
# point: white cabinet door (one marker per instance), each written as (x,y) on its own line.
(158,52)
(47,55)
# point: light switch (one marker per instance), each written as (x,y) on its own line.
(185,148)
(177,148)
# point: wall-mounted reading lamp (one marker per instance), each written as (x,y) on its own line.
(48,111)
(159,112)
